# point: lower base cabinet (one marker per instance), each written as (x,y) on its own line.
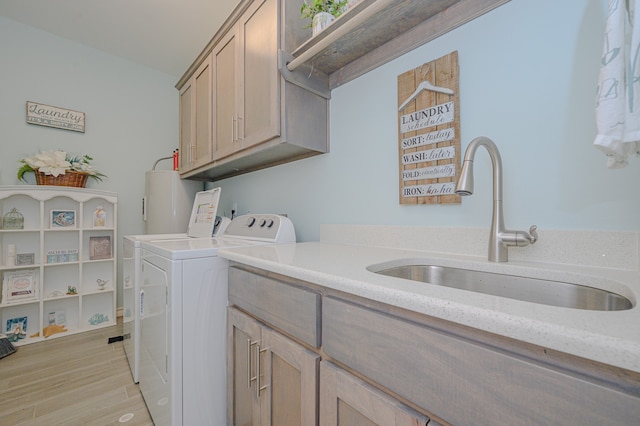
(274,371)
(302,346)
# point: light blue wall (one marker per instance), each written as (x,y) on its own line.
(528,73)
(131,112)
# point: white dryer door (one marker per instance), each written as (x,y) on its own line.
(154,317)
(154,340)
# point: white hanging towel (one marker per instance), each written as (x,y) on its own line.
(618,94)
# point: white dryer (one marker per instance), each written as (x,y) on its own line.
(131,271)
(132,265)
(183,302)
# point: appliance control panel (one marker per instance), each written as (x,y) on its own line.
(262,227)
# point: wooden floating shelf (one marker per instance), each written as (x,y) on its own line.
(376,31)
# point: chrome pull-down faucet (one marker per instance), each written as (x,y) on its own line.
(500,238)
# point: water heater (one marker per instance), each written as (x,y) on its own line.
(167,202)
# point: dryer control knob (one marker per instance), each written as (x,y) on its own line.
(251,221)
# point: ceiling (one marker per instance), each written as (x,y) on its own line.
(166,35)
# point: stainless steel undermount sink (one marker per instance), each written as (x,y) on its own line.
(553,293)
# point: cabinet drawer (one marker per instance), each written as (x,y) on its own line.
(293,310)
(463,382)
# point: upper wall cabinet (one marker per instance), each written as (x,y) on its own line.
(271,81)
(259,118)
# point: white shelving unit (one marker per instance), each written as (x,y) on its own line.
(90,259)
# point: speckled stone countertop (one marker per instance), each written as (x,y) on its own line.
(609,337)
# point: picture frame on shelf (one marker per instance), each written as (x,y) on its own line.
(16,328)
(19,286)
(25,259)
(63,219)
(57,318)
(100,248)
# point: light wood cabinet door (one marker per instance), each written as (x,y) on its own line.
(203,114)
(348,401)
(195,119)
(227,101)
(271,380)
(260,109)
(185,125)
(201,154)
(289,382)
(243,335)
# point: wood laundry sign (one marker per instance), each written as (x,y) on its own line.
(51,116)
(429,132)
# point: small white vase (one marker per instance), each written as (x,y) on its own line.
(321,21)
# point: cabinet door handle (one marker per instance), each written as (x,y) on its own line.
(238,118)
(233,128)
(259,388)
(249,378)
(193,153)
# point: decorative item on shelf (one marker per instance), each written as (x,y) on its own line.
(13,220)
(322,13)
(98,319)
(11,255)
(57,318)
(19,286)
(72,290)
(101,283)
(99,248)
(16,329)
(63,219)
(51,330)
(25,259)
(99,217)
(59,168)
(62,256)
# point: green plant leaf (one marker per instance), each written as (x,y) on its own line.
(25,168)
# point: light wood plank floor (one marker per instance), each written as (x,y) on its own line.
(73,380)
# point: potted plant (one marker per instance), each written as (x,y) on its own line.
(322,12)
(59,168)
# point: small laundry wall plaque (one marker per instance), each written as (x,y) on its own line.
(50,116)
(429,132)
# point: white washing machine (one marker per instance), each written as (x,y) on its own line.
(183,301)
(132,264)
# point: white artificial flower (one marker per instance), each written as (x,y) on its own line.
(83,167)
(50,162)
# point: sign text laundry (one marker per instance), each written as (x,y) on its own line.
(428,117)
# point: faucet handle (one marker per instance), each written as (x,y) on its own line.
(534,233)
